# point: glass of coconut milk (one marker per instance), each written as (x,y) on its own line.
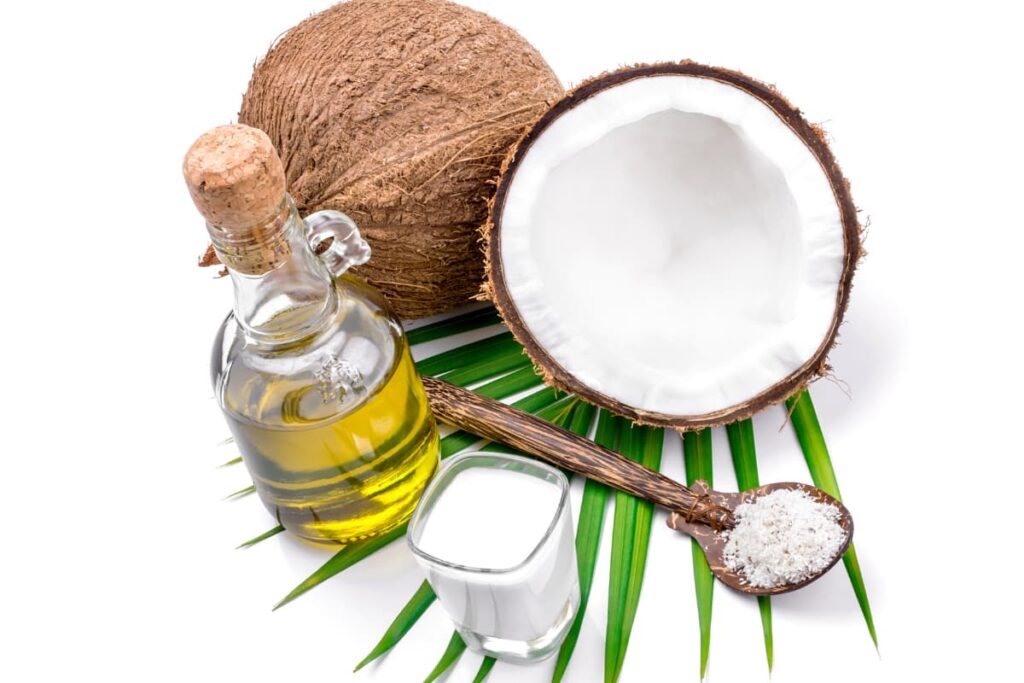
(494,535)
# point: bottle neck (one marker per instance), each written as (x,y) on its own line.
(283,291)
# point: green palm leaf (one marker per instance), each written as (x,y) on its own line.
(456,646)
(478,366)
(492,367)
(812,442)
(500,354)
(618,580)
(588,539)
(631,531)
(241,493)
(485,668)
(342,560)
(476,352)
(512,383)
(697,459)
(405,620)
(582,418)
(744,462)
(474,320)
(262,537)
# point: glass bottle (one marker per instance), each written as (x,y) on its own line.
(311,369)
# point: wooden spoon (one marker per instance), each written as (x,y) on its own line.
(699,512)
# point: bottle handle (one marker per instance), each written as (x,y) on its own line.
(347,248)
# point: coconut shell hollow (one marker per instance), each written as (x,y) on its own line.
(517,313)
(399,113)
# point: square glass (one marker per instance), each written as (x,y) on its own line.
(519,613)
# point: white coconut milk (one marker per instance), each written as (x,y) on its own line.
(506,571)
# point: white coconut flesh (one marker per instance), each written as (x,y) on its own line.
(672,244)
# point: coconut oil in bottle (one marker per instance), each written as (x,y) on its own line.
(311,370)
(335,432)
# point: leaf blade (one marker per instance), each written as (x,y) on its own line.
(262,537)
(473,320)
(407,617)
(630,541)
(485,668)
(512,383)
(698,464)
(744,462)
(764,606)
(618,576)
(241,493)
(804,419)
(588,541)
(513,359)
(468,354)
(342,560)
(649,443)
(456,646)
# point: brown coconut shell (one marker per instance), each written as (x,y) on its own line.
(399,113)
(813,136)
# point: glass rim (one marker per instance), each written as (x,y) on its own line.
(560,480)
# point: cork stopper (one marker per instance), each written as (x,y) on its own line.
(236,180)
(235,176)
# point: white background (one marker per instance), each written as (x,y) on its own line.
(117,560)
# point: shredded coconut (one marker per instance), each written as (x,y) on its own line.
(782,538)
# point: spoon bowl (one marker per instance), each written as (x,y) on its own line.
(713,543)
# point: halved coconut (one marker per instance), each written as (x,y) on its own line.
(675,243)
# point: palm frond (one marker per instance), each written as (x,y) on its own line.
(631,533)
(744,463)
(456,646)
(588,540)
(262,537)
(473,320)
(697,459)
(812,442)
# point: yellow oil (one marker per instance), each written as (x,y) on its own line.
(357,475)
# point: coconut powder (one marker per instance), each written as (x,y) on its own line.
(782,538)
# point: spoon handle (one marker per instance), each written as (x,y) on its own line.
(499,422)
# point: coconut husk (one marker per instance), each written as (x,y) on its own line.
(399,113)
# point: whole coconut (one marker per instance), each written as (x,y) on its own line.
(399,113)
